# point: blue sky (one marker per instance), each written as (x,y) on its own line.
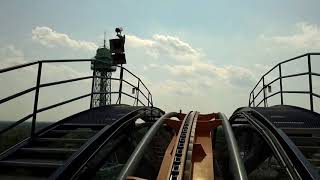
(197,55)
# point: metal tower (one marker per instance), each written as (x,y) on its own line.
(102,72)
(103,68)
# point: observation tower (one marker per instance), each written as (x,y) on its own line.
(102,71)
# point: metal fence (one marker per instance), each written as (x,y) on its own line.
(36,89)
(306,57)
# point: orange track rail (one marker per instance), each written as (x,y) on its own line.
(202,166)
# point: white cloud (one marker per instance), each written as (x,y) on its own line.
(172,87)
(135,41)
(10,51)
(233,75)
(164,45)
(11,56)
(48,37)
(308,36)
(18,80)
(193,67)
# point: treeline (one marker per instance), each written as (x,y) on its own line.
(16,134)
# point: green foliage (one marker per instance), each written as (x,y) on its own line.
(16,134)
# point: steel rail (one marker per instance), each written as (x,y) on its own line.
(294,75)
(258,94)
(56,105)
(315,74)
(126,83)
(17,67)
(115,92)
(135,77)
(132,97)
(179,153)
(286,92)
(17,95)
(41,110)
(16,123)
(278,78)
(253,97)
(271,82)
(78,161)
(39,86)
(187,169)
(143,95)
(62,103)
(64,81)
(316,95)
(238,167)
(298,92)
(314,53)
(274,67)
(138,153)
(275,145)
(299,161)
(70,60)
(267,97)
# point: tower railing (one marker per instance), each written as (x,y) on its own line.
(253,102)
(138,100)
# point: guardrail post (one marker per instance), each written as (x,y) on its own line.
(264,92)
(280,76)
(36,98)
(120,85)
(138,90)
(151,100)
(310,82)
(92,86)
(253,99)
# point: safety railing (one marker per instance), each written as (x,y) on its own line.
(146,96)
(265,86)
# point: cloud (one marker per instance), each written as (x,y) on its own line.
(18,80)
(165,45)
(135,41)
(307,36)
(10,56)
(195,66)
(48,37)
(233,75)
(172,87)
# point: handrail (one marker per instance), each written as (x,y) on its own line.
(138,152)
(68,60)
(62,103)
(291,59)
(16,123)
(17,95)
(38,86)
(238,168)
(72,165)
(298,162)
(18,67)
(253,96)
(65,81)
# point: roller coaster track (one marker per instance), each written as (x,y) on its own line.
(289,131)
(74,147)
(84,145)
(64,149)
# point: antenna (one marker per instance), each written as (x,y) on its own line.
(104,40)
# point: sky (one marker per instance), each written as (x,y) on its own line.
(192,55)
